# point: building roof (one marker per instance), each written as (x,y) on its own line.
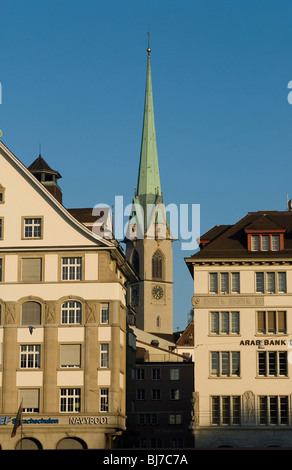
(226,242)
(40,165)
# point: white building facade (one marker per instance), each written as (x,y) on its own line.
(63,318)
(242,333)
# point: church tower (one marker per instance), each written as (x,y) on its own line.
(148,241)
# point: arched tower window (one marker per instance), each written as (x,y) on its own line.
(136,261)
(157,265)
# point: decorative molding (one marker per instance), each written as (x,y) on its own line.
(227,301)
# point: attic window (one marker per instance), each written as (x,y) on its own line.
(266,242)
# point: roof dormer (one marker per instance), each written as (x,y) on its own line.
(265,235)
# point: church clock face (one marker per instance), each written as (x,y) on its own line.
(157,292)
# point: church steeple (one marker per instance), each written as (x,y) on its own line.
(148,177)
(148,240)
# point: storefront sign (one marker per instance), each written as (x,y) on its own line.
(263,342)
(88,420)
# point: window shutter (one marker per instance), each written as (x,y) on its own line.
(30,398)
(70,355)
(31,269)
(31,313)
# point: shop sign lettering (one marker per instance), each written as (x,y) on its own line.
(263,342)
(88,420)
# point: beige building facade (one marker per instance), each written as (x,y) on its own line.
(242,333)
(63,317)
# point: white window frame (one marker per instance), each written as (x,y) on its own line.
(71,268)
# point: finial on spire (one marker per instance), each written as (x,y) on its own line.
(148,49)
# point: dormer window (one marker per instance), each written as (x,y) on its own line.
(266,242)
(265,234)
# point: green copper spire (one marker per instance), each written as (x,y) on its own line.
(148,178)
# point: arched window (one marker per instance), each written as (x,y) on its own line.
(71,312)
(136,261)
(158,321)
(157,262)
(31,313)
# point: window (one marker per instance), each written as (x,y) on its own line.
(1,227)
(71,313)
(174,373)
(271,322)
(175,418)
(155,374)
(157,261)
(30,356)
(140,394)
(71,269)
(225,410)
(30,400)
(273,410)
(104,313)
(266,242)
(271,282)
(226,323)
(2,193)
(155,394)
(225,364)
(135,261)
(31,313)
(1,272)
(174,394)
(104,402)
(70,400)
(33,228)
(140,374)
(147,418)
(104,355)
(225,283)
(31,269)
(70,355)
(272,363)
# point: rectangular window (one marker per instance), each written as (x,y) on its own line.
(273,410)
(214,283)
(224,323)
(72,269)
(155,374)
(30,356)
(70,399)
(275,243)
(140,394)
(140,374)
(271,286)
(225,410)
(272,363)
(155,394)
(1,272)
(265,242)
(224,283)
(31,269)
(175,418)
(104,313)
(270,282)
(255,243)
(104,355)
(104,399)
(30,400)
(70,355)
(1,227)
(225,364)
(235,285)
(271,322)
(174,374)
(33,228)
(174,394)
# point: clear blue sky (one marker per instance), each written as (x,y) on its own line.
(73,78)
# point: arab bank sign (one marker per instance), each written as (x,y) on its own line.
(76,420)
